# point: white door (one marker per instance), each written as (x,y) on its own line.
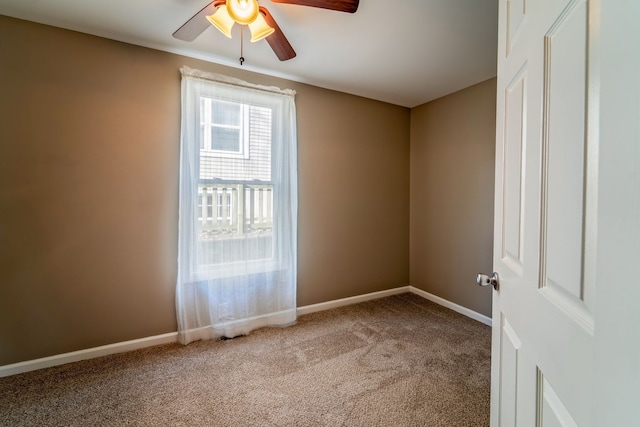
(566,346)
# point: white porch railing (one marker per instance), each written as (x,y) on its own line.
(234,210)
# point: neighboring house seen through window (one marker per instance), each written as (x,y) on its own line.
(224,127)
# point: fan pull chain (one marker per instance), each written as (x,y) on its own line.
(241,45)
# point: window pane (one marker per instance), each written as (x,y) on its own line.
(225,113)
(210,206)
(225,139)
(219,206)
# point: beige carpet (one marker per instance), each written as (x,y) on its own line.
(396,361)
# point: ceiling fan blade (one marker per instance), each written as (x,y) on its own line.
(198,22)
(349,6)
(278,42)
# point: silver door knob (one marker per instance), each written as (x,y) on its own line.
(484,280)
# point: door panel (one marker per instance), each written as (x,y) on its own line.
(515,136)
(510,345)
(563,145)
(551,410)
(516,16)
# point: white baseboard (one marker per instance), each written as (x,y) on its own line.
(351,300)
(453,306)
(74,356)
(381,294)
(105,350)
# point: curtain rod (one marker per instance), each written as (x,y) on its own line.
(233,81)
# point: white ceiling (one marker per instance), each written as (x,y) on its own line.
(404,52)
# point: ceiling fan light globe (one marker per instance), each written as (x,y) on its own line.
(243,11)
(260,29)
(221,20)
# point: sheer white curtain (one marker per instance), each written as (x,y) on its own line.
(238,207)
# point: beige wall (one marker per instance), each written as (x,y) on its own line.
(89,132)
(452,178)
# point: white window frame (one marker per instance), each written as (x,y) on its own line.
(236,268)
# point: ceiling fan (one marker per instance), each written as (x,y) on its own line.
(224,13)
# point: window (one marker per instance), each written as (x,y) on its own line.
(236,198)
(238,207)
(235,188)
